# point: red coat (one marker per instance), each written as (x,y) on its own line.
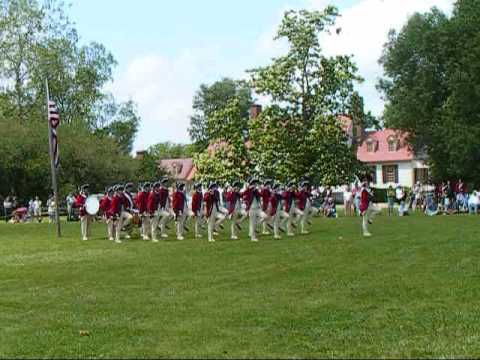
(288,198)
(116,205)
(163,197)
(153,199)
(80,203)
(364,200)
(178,203)
(232,198)
(302,197)
(196,202)
(273,201)
(265,194)
(210,202)
(141,202)
(105,204)
(248,196)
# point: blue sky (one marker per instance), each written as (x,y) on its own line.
(166,49)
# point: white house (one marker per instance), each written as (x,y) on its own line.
(391,158)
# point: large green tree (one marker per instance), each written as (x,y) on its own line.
(38,42)
(212,98)
(308,90)
(431,88)
(227,158)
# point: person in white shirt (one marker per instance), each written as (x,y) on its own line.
(37,209)
(348,201)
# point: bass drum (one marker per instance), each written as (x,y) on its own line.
(92,205)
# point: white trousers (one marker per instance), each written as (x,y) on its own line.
(302,217)
(146,227)
(257,217)
(197,221)
(369,215)
(110,228)
(85,222)
(125,219)
(237,217)
(179,224)
(164,217)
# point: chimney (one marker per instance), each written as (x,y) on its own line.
(255,110)
(140,154)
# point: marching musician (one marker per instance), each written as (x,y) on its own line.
(265,195)
(251,197)
(367,208)
(275,209)
(105,204)
(128,209)
(85,218)
(288,213)
(117,207)
(210,210)
(179,203)
(301,210)
(164,207)
(234,206)
(221,213)
(141,203)
(196,209)
(153,211)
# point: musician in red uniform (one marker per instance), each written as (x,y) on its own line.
(164,207)
(234,206)
(141,204)
(153,201)
(196,209)
(274,209)
(251,198)
(301,210)
(210,209)
(367,208)
(105,204)
(115,213)
(265,195)
(179,205)
(128,210)
(288,213)
(85,218)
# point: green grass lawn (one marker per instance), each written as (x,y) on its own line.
(412,290)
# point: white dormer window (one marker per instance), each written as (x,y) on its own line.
(392,144)
(370,145)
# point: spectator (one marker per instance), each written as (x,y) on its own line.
(51,209)
(70,202)
(37,209)
(390,199)
(348,201)
(7,207)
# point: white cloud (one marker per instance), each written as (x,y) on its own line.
(364,31)
(163,87)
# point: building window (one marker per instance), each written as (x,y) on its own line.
(421,175)
(390,174)
(373,174)
(392,144)
(370,145)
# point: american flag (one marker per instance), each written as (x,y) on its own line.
(54,120)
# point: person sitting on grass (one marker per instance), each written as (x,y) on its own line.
(330,208)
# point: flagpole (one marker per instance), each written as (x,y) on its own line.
(52,164)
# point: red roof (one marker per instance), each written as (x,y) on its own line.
(180,169)
(381,153)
